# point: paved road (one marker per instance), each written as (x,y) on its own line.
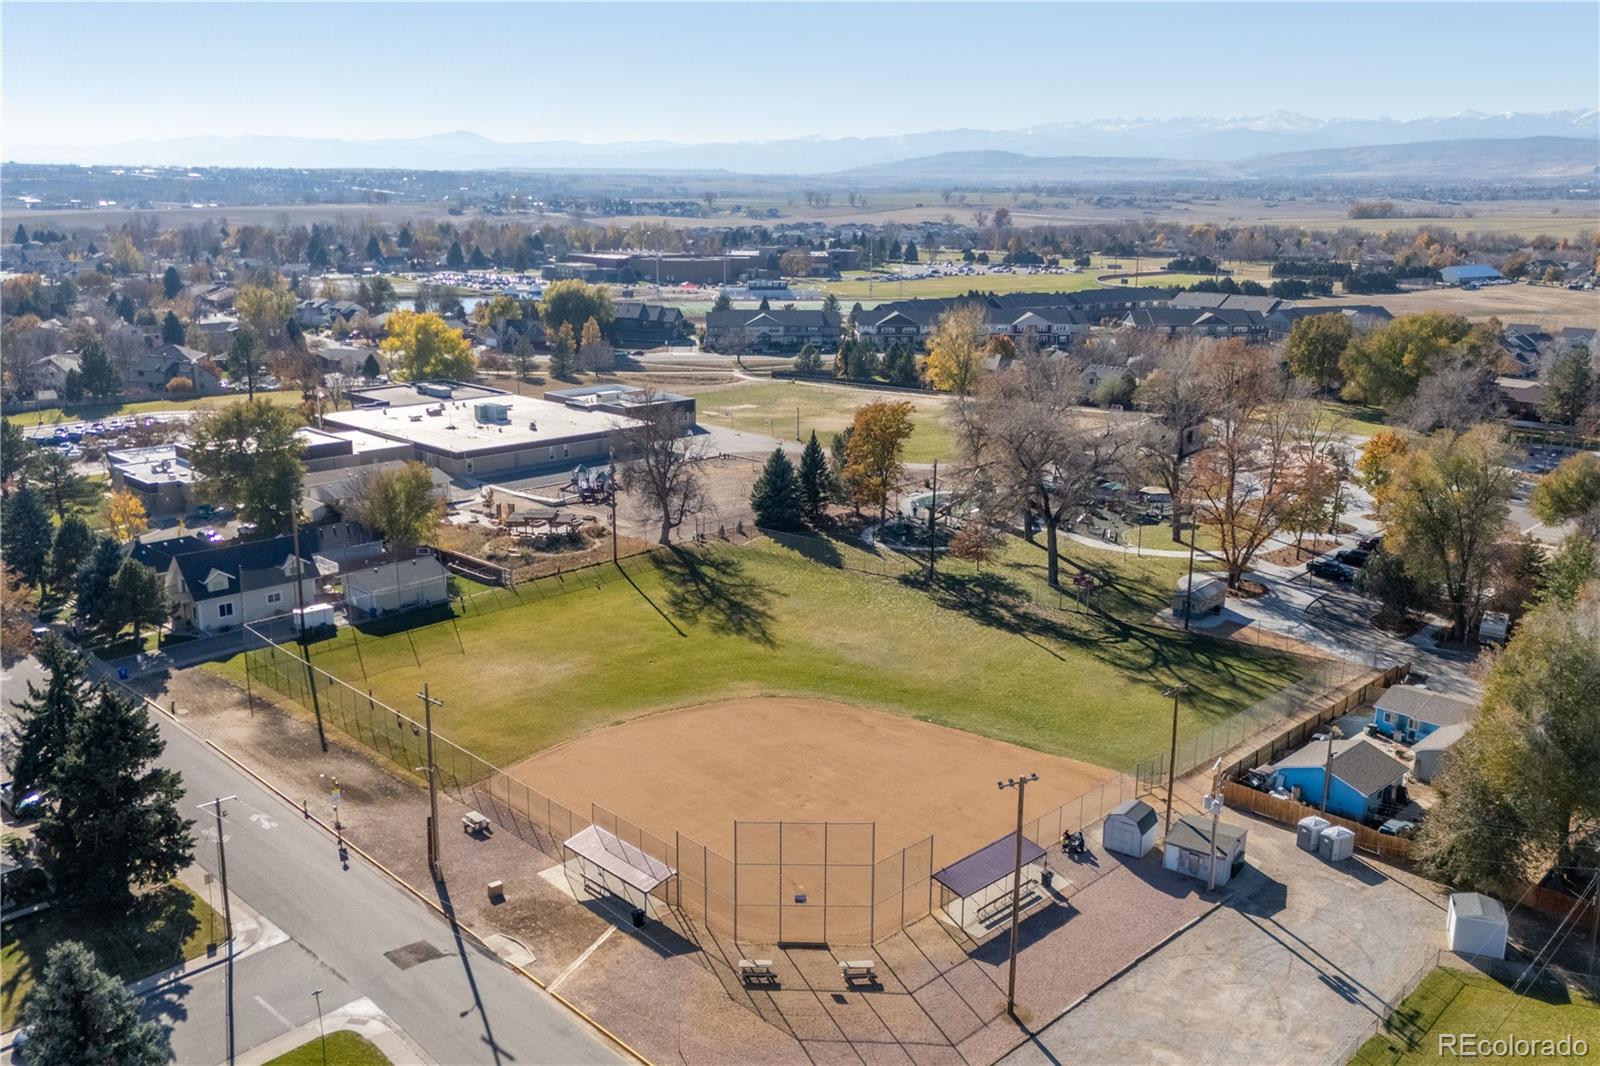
(342,916)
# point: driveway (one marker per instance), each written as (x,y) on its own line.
(1291,968)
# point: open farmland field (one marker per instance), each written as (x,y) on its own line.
(769,408)
(991,653)
(1546,305)
(93,412)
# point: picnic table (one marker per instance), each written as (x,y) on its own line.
(753,970)
(475,823)
(864,970)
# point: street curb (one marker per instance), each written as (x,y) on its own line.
(434,905)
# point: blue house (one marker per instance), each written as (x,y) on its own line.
(1407,713)
(1365,777)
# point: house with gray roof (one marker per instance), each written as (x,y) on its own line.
(1365,778)
(1409,713)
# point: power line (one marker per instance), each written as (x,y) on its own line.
(1530,975)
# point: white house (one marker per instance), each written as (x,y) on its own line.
(222,589)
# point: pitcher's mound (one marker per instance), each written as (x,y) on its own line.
(697,770)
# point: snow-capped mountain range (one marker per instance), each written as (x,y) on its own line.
(1219,140)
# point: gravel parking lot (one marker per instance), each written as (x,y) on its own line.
(1291,968)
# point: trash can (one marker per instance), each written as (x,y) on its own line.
(638,917)
(1047,878)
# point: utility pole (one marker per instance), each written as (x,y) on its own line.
(300,622)
(222,862)
(933,510)
(428,703)
(1327,768)
(1213,803)
(1021,785)
(227,907)
(1172,757)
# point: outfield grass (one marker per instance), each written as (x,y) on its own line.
(973,653)
(343,1048)
(1465,1003)
(92,412)
(770,408)
(165,928)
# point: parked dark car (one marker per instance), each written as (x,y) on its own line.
(1331,570)
(1370,544)
(1355,557)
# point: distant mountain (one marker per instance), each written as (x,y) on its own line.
(1211,140)
(1485,158)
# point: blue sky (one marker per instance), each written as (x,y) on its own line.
(83,74)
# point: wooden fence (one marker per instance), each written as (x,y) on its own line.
(1302,731)
(1561,904)
(1290,811)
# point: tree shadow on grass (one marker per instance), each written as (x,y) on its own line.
(712,586)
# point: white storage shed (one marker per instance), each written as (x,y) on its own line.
(397,586)
(1476,925)
(1130,829)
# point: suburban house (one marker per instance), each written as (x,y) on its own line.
(641,325)
(317,314)
(1198,322)
(149,371)
(1523,397)
(400,585)
(1365,777)
(778,331)
(50,373)
(218,590)
(1408,713)
(1361,316)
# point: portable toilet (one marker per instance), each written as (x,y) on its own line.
(1130,829)
(1309,833)
(1337,844)
(1476,925)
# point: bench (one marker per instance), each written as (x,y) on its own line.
(753,970)
(864,970)
(1000,903)
(475,823)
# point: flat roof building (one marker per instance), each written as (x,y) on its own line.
(160,476)
(469,430)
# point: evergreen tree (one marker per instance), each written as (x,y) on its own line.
(478,261)
(374,251)
(455,259)
(911,251)
(244,357)
(776,497)
(765,306)
(138,598)
(172,331)
(78,1013)
(115,824)
(72,387)
(44,721)
(814,479)
(1569,388)
(21,236)
(15,448)
(171,283)
(100,377)
(74,541)
(405,238)
(371,369)
(25,535)
(838,457)
(92,589)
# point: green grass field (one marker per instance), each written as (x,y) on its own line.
(91,412)
(855,285)
(343,1048)
(165,928)
(987,652)
(1471,1004)
(1358,420)
(770,408)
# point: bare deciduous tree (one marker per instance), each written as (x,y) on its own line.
(661,466)
(1178,402)
(1029,448)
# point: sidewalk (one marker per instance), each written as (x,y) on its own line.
(252,933)
(359,1016)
